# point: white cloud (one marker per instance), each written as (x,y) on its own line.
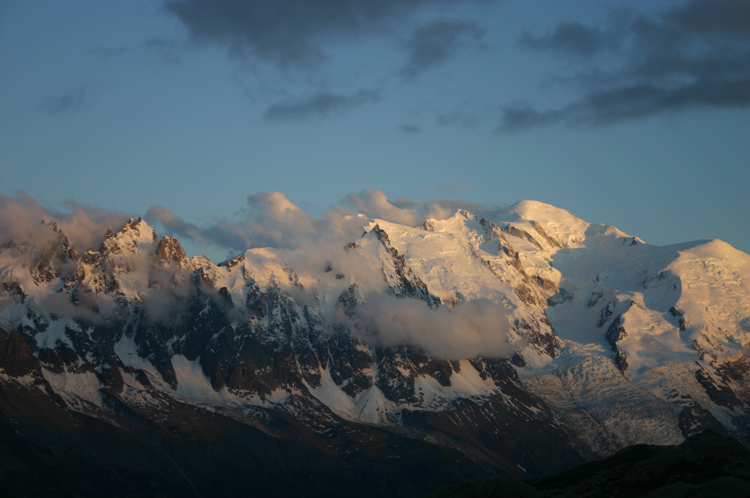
(476,328)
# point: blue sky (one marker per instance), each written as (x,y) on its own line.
(633,114)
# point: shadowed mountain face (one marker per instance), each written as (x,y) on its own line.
(389,365)
(706,464)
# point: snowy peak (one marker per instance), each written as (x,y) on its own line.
(713,280)
(555,226)
(130,237)
(718,249)
(528,210)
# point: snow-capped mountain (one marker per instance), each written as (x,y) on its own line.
(524,344)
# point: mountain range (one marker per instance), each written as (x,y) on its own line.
(397,362)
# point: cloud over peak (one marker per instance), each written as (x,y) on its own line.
(25,219)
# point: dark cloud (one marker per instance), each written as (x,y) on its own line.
(696,55)
(521,118)
(288,33)
(319,105)
(409,128)
(71,101)
(569,38)
(711,18)
(434,43)
(458,118)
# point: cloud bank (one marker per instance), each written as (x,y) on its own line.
(23,219)
(268,220)
(375,204)
(272,220)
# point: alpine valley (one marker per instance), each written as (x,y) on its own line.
(396,363)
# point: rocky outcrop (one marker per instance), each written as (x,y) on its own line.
(615,333)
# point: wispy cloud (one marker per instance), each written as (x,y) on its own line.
(319,105)
(70,101)
(409,128)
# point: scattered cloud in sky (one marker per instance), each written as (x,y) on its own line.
(72,100)
(319,105)
(435,43)
(409,128)
(695,55)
